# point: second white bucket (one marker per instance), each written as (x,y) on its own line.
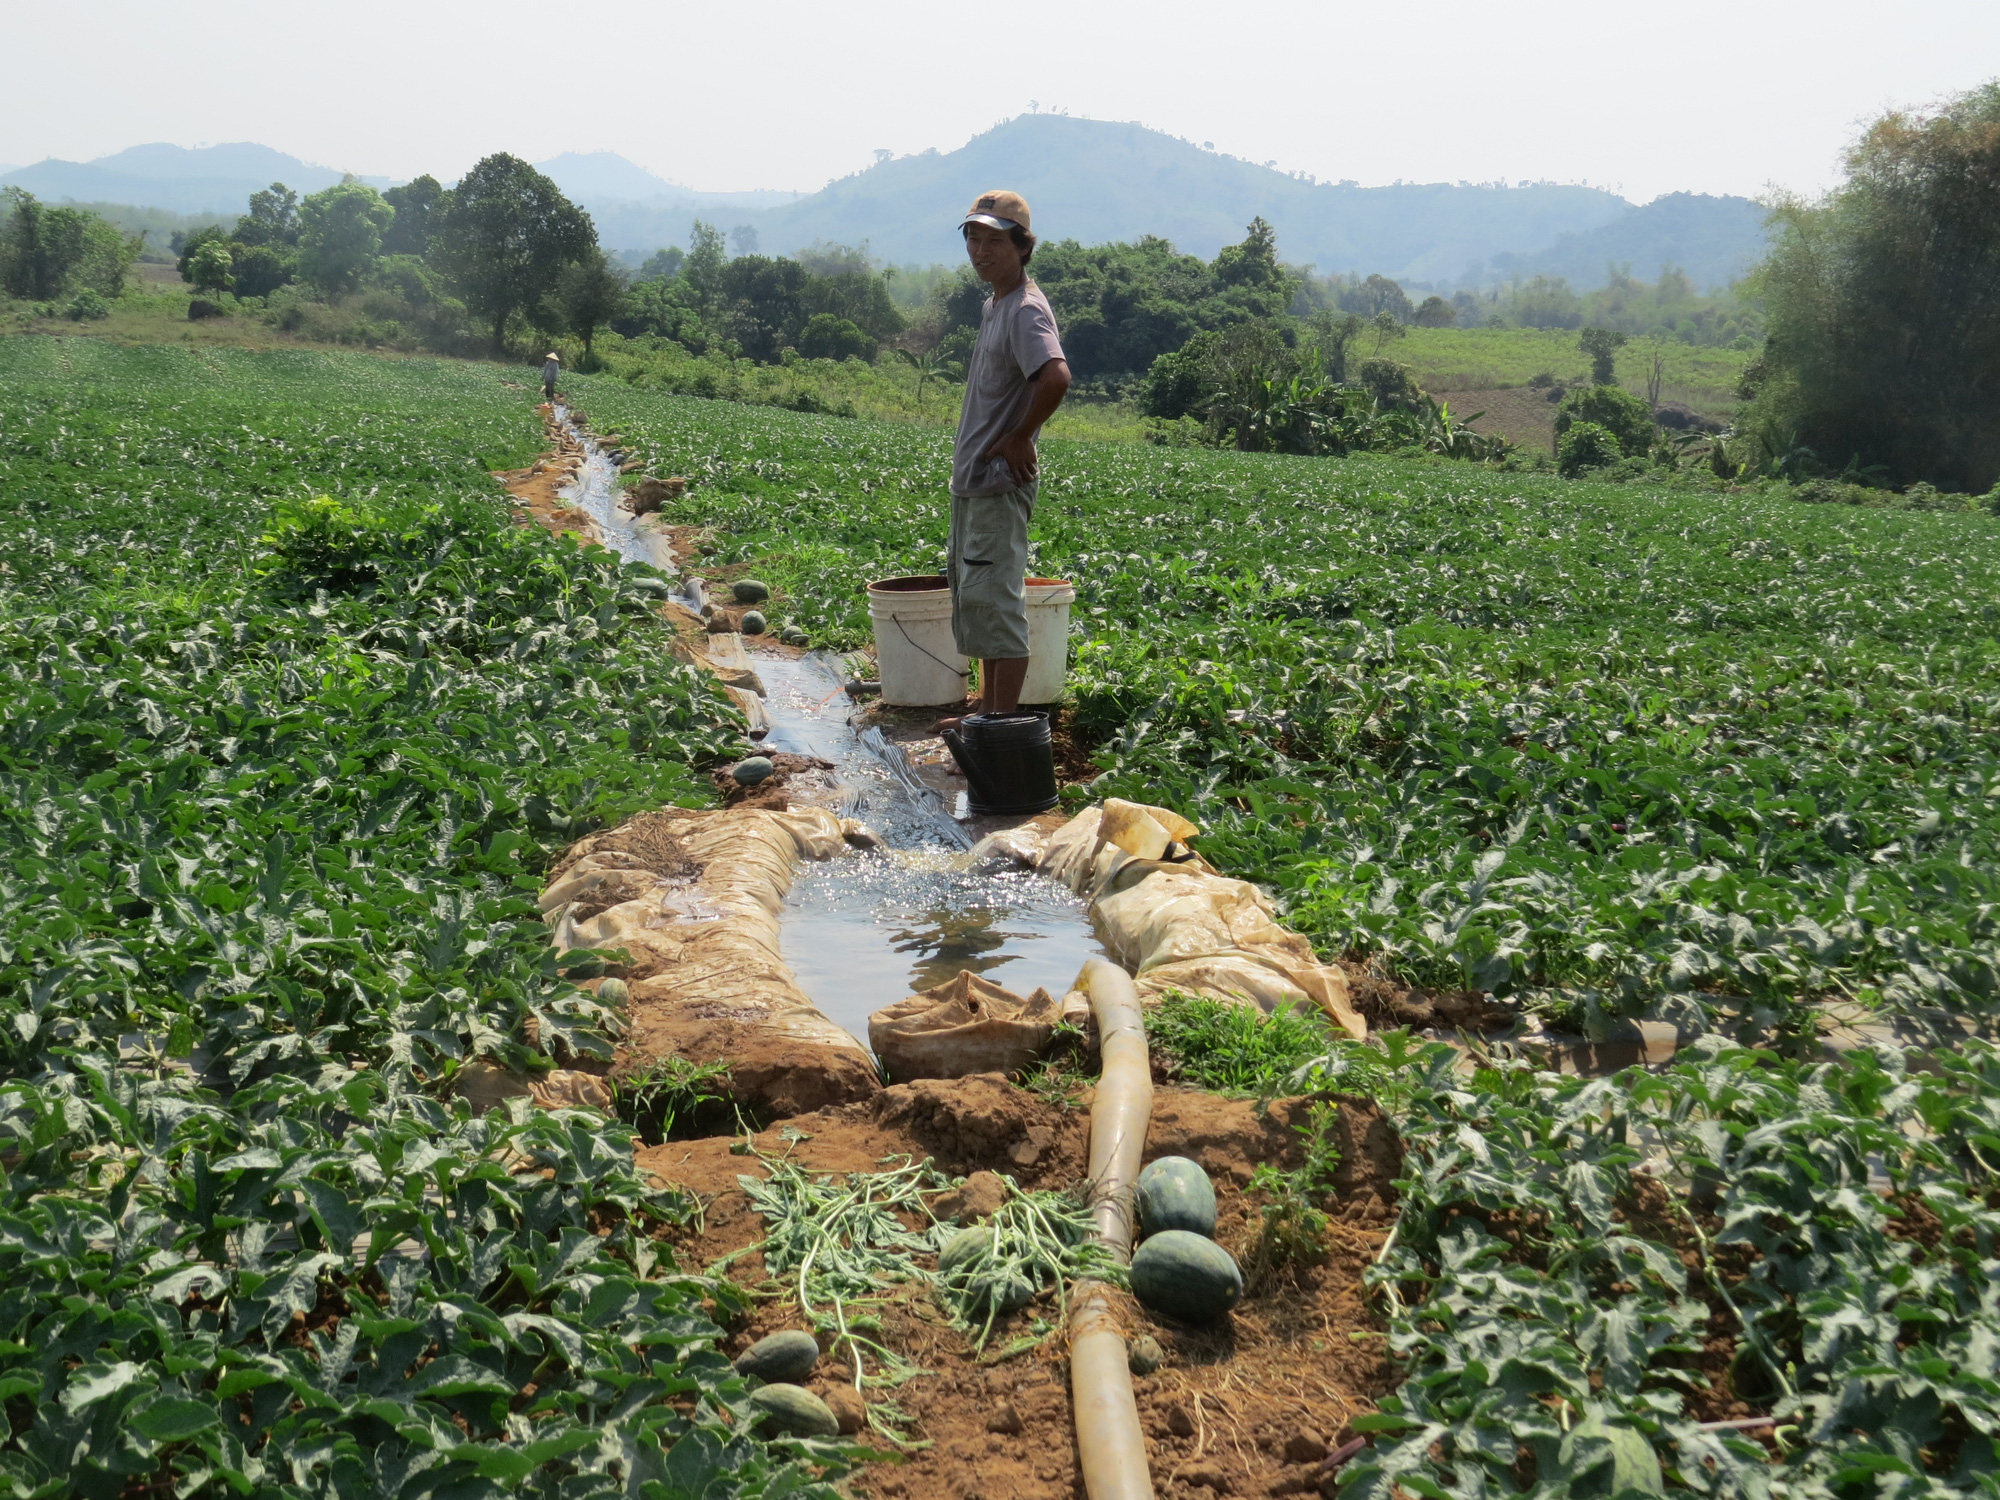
(1049,600)
(913,645)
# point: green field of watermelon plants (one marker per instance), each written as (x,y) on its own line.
(1607,750)
(294,717)
(277,779)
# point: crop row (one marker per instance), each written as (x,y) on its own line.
(293,715)
(1606,749)
(1598,1287)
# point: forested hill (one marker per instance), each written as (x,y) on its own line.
(1089,180)
(187,180)
(1095,180)
(1714,240)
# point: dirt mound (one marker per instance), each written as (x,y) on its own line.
(783,786)
(1229,1409)
(770,1073)
(965,1124)
(1387,1004)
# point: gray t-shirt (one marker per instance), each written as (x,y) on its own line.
(1017,336)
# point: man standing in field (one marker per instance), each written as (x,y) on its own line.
(1017,379)
(551,368)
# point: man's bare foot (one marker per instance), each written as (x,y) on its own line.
(944,726)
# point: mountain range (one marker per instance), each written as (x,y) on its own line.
(1089,180)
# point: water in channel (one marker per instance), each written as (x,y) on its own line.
(595,492)
(863,931)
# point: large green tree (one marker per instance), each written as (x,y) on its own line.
(273,218)
(416,203)
(763,298)
(340,235)
(503,237)
(589,291)
(1883,303)
(702,270)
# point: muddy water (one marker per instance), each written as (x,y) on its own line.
(864,931)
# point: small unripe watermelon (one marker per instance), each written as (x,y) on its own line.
(753,769)
(752,622)
(965,1247)
(614,992)
(782,1358)
(794,1409)
(962,1247)
(1174,1193)
(749,591)
(1186,1277)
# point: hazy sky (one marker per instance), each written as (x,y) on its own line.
(1649,98)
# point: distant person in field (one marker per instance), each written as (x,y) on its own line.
(1017,379)
(551,368)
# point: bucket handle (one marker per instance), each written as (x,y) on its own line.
(967,673)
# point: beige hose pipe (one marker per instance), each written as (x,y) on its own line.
(1109,1444)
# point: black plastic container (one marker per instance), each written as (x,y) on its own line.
(1009,761)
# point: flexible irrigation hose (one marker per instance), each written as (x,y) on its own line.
(1109,1443)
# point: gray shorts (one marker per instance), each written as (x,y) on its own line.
(987,565)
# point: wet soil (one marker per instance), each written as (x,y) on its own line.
(777,791)
(534,488)
(1246,1408)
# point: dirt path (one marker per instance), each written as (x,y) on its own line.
(535,488)
(1243,1409)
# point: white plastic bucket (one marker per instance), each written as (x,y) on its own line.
(1049,600)
(912,620)
(913,646)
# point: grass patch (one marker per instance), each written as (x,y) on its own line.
(1239,1051)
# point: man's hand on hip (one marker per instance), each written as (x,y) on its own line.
(1018,449)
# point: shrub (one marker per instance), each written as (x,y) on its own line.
(1391,385)
(1177,383)
(260,269)
(1619,412)
(1435,312)
(86,306)
(1585,446)
(828,337)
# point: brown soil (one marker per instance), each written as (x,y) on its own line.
(1387,1003)
(1519,412)
(777,791)
(534,488)
(1241,1409)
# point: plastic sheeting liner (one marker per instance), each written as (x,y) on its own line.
(1164,913)
(964,1026)
(707,980)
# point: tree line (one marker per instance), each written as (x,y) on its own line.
(1878,308)
(62,254)
(1882,298)
(503,247)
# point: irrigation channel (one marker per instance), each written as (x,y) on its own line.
(863,931)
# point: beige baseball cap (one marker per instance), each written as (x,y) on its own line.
(999,209)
